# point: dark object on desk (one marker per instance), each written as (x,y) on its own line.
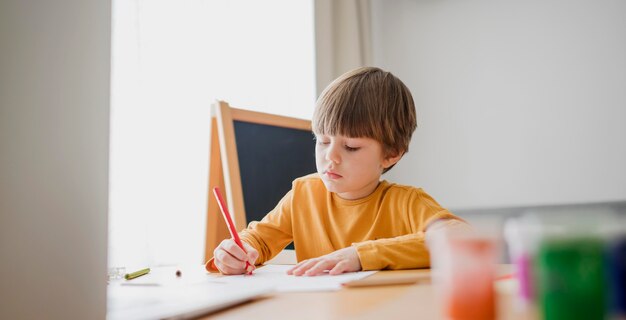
(179,273)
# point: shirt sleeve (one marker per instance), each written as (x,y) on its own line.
(273,233)
(410,250)
(403,252)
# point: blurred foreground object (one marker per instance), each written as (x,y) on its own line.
(464,270)
(570,262)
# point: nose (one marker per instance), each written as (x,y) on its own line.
(332,153)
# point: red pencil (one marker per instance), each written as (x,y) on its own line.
(231,225)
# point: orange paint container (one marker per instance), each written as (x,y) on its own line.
(466,274)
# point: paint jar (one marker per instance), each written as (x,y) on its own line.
(463,274)
(570,278)
(570,267)
(522,235)
(616,274)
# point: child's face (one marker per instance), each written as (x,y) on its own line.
(350,167)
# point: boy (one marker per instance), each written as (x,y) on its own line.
(343,218)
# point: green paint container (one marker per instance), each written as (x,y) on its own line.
(570,278)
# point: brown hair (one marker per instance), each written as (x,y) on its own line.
(368,102)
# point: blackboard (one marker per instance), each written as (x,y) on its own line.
(270,158)
(255,157)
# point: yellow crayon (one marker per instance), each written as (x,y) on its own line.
(136,274)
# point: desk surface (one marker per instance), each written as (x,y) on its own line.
(382,302)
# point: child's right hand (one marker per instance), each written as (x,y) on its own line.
(229,258)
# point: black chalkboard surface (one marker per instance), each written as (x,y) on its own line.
(270,158)
(258,157)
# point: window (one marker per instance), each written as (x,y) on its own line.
(171,61)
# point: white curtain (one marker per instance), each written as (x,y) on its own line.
(343,38)
(170,61)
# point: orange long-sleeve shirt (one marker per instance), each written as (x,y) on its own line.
(387,227)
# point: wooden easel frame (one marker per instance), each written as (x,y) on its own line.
(224,166)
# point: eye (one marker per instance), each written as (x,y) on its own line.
(322,141)
(351,149)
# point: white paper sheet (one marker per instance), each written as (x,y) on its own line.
(166,276)
(276,275)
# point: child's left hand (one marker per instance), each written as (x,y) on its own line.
(340,261)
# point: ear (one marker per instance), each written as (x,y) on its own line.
(391,160)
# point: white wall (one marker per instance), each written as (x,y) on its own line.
(54,133)
(519,102)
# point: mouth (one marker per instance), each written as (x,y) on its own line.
(332,175)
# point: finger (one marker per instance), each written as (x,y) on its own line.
(223,269)
(234,263)
(230,262)
(341,267)
(250,268)
(231,247)
(218,257)
(252,255)
(298,265)
(306,265)
(226,258)
(290,270)
(320,267)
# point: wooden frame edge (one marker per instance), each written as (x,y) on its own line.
(270,119)
(230,164)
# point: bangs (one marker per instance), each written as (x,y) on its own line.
(348,109)
(346,119)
